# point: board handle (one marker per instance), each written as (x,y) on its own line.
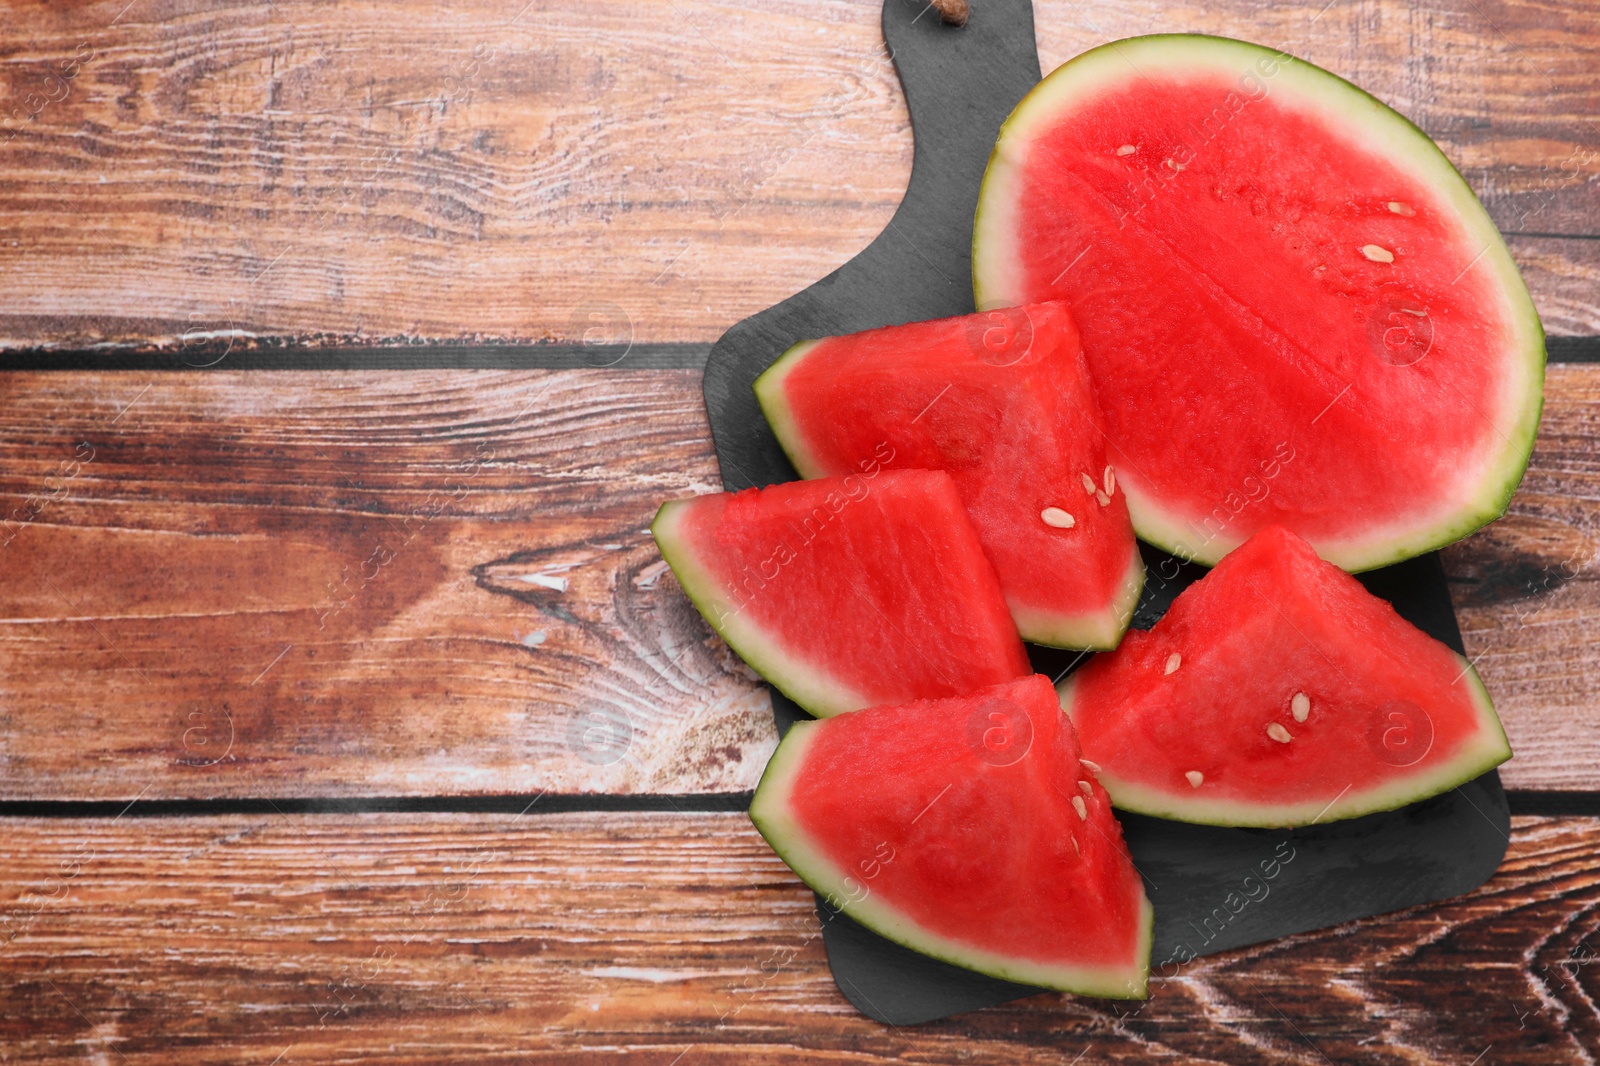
(960,81)
(960,84)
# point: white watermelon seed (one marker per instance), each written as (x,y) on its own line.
(1173,662)
(1081,807)
(1086,788)
(1111,481)
(1401,208)
(1092,767)
(1278,733)
(1196,778)
(1300,706)
(1105,501)
(1088,484)
(1377,254)
(1075,845)
(1127,149)
(1055,516)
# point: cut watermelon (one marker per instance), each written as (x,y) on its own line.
(1002,401)
(965,829)
(1294,309)
(847,592)
(1278,691)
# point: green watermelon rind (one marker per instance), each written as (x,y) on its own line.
(1336,99)
(769,812)
(1100,631)
(1095,631)
(1487,749)
(808,684)
(769,394)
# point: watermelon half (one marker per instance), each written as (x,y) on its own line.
(1294,309)
(1277,691)
(1001,401)
(965,829)
(847,592)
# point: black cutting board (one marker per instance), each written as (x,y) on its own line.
(960,84)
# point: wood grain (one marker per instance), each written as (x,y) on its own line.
(662,938)
(196,174)
(289,585)
(364,583)
(440,582)
(1527,595)
(1564,278)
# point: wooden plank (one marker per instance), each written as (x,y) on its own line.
(1528,595)
(357,583)
(440,582)
(1564,277)
(364,171)
(194,175)
(661,938)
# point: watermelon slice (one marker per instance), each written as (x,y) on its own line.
(1294,309)
(1278,691)
(847,592)
(965,829)
(1002,401)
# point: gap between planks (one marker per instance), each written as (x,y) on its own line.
(1523,802)
(288,356)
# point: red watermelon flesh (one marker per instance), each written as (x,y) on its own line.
(1001,401)
(966,829)
(1278,691)
(847,592)
(1294,309)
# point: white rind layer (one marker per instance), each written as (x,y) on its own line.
(1484,485)
(1488,748)
(808,684)
(769,394)
(1099,631)
(1095,631)
(770,811)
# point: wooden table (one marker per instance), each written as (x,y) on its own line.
(348,713)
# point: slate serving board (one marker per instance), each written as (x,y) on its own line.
(1212,888)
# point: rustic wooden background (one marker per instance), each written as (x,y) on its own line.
(349,714)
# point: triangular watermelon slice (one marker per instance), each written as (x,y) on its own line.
(1277,691)
(1294,309)
(847,592)
(965,829)
(1003,402)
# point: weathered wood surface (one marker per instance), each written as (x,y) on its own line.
(662,938)
(1527,595)
(334,583)
(441,582)
(183,172)
(1564,277)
